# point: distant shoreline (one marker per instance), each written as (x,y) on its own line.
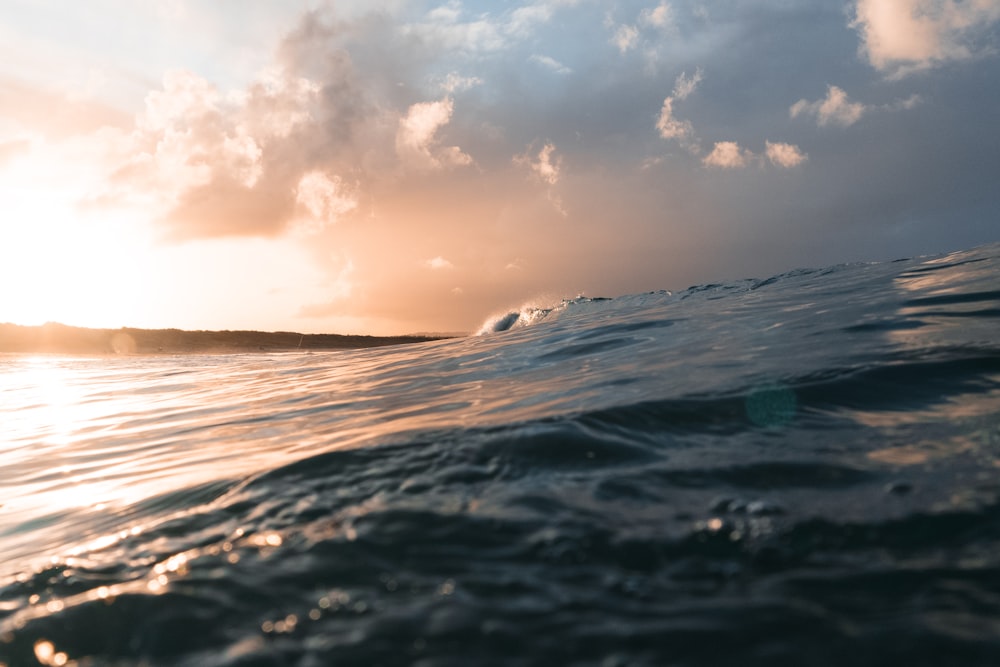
(53,338)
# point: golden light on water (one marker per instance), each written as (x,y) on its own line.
(46,654)
(92,437)
(52,411)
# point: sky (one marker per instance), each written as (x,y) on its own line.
(391,167)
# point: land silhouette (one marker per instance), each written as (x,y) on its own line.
(54,338)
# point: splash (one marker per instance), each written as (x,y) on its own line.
(514,319)
(533,312)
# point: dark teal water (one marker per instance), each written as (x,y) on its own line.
(803,470)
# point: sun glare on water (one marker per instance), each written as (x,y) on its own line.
(47,410)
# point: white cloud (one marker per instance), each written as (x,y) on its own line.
(552,64)
(546,166)
(902,36)
(837,109)
(281,103)
(438,263)
(455,82)
(191,136)
(242,157)
(527,17)
(324,198)
(416,140)
(784,155)
(444,26)
(184,96)
(909,103)
(660,17)
(446,13)
(728,155)
(685,85)
(834,109)
(670,127)
(625,37)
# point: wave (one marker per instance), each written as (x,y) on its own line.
(797,470)
(532,312)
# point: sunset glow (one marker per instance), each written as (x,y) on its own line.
(386,168)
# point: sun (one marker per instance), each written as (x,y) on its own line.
(60,263)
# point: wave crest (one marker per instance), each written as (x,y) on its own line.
(532,313)
(513,319)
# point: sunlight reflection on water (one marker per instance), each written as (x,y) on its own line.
(644,456)
(101,434)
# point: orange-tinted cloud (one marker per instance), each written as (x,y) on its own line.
(838,109)
(671,127)
(728,155)
(54,113)
(784,155)
(834,109)
(416,139)
(902,36)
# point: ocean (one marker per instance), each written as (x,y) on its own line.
(801,470)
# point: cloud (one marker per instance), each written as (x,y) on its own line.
(272,156)
(354,138)
(685,85)
(671,127)
(214,163)
(903,36)
(54,113)
(728,155)
(837,109)
(552,64)
(834,109)
(546,166)
(455,82)
(485,33)
(324,199)
(13,148)
(645,33)
(660,17)
(416,140)
(438,263)
(533,14)
(784,155)
(443,26)
(625,38)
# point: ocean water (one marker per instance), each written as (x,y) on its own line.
(802,470)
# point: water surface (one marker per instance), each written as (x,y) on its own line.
(798,470)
